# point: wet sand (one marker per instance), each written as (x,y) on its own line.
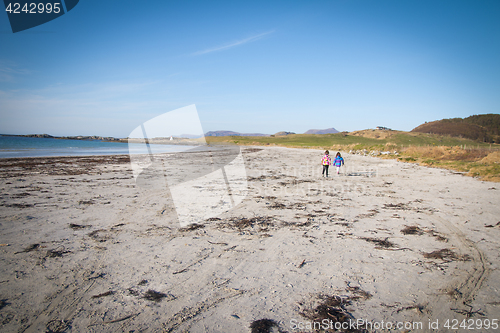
(83,249)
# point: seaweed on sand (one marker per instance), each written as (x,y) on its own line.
(3,303)
(19,205)
(412,230)
(86,202)
(263,325)
(30,248)
(381,243)
(191,227)
(107,293)
(57,326)
(417,307)
(78,226)
(56,253)
(156,296)
(98,236)
(332,310)
(445,255)
(359,293)
(276,205)
(133,292)
(400,206)
(438,236)
(370,213)
(243,222)
(60,165)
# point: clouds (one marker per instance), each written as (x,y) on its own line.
(9,71)
(233,44)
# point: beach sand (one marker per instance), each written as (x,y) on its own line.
(83,249)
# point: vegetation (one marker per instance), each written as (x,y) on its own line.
(483,128)
(367,139)
(489,121)
(476,162)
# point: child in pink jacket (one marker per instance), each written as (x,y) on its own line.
(326,161)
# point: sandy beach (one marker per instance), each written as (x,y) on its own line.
(83,249)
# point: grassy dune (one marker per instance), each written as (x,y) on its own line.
(476,162)
(367,139)
(471,157)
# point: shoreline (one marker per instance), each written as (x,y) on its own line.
(162,140)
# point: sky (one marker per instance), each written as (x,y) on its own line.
(106,67)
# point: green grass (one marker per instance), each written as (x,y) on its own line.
(490,172)
(424,139)
(468,161)
(429,161)
(396,140)
(407,159)
(298,140)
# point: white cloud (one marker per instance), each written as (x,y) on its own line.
(9,70)
(233,44)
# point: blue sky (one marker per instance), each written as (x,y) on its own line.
(107,66)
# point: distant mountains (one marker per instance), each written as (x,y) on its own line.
(231,133)
(483,128)
(183,136)
(324,131)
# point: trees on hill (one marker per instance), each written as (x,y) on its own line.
(484,128)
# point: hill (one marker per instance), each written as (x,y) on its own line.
(231,133)
(482,128)
(282,133)
(366,139)
(323,131)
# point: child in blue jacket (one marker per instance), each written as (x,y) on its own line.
(338,162)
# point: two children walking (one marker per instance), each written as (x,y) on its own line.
(326,161)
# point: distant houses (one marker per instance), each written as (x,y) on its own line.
(382,128)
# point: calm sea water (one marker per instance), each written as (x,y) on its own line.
(15,146)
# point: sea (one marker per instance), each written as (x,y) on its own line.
(17,146)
